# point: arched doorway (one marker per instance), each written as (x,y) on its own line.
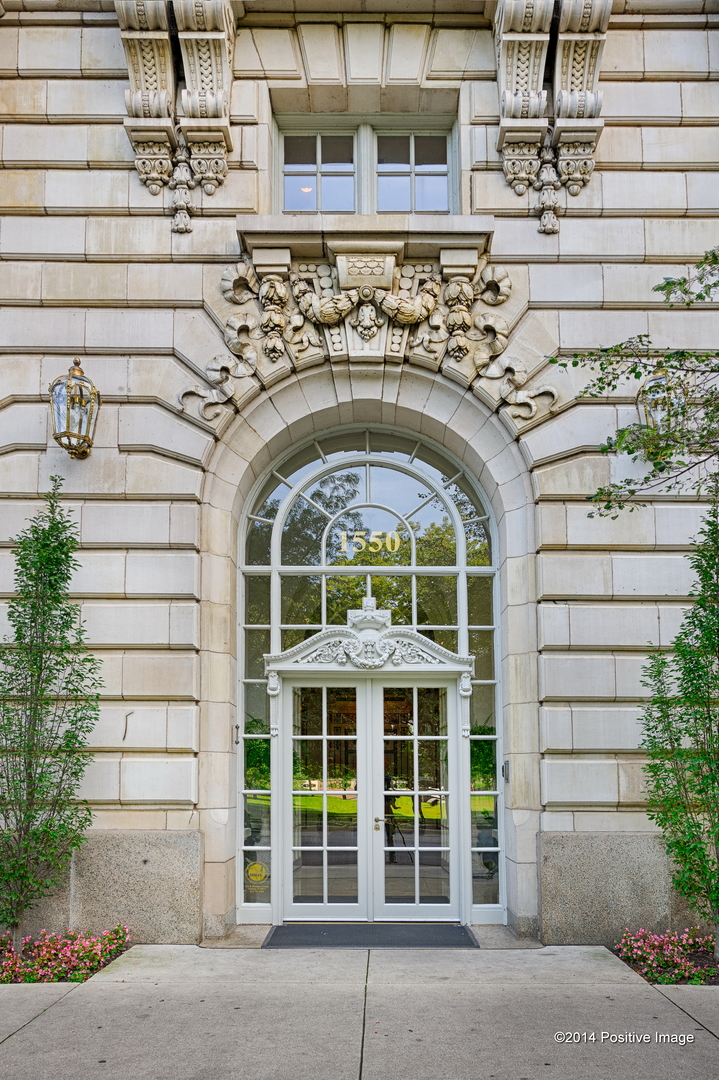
(369,788)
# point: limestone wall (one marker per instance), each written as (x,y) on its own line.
(90,266)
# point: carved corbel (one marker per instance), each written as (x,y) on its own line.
(578,101)
(150,123)
(521,37)
(206,32)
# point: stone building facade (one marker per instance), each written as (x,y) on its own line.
(296,242)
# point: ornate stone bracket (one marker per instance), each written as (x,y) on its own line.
(206,31)
(150,123)
(180,152)
(534,154)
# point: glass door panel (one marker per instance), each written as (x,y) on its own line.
(414,876)
(324,869)
(371,820)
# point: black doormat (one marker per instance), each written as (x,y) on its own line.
(369,936)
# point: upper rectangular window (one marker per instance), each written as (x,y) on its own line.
(412,174)
(319,173)
(365,172)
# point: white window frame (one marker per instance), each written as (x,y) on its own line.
(262,913)
(365,154)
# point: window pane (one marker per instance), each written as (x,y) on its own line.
(307,710)
(437,601)
(256,877)
(258,544)
(478,550)
(257,644)
(481,710)
(446,638)
(430,151)
(479,601)
(307,756)
(481,647)
(342,877)
(399,877)
(257,820)
(257,599)
(436,544)
(290,638)
(307,818)
(399,821)
(484,764)
(338,194)
(485,877)
(301,600)
(483,809)
(300,150)
(307,877)
(342,764)
(342,820)
(398,714)
(257,709)
(393,153)
(431,710)
(433,821)
(344,594)
(300,193)
(434,877)
(432,765)
(337,151)
(393,193)
(257,764)
(399,765)
(341,711)
(430,193)
(394,594)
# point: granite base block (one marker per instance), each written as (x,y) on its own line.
(593,885)
(148,880)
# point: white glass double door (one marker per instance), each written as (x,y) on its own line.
(370,800)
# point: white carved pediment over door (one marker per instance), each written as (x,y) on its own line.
(369,643)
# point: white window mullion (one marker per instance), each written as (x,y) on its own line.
(365,170)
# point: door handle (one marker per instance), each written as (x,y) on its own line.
(379,819)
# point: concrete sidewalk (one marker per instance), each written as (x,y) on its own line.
(164,1012)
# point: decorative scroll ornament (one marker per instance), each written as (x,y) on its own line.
(221,373)
(369,642)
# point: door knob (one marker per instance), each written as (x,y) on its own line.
(379,819)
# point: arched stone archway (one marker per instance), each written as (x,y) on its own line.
(433,408)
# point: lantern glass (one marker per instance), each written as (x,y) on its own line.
(74,403)
(656,401)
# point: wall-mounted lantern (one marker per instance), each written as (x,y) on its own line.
(657,401)
(74,405)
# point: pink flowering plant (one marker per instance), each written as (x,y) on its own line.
(670,957)
(68,957)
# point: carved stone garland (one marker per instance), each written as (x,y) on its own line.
(298,323)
